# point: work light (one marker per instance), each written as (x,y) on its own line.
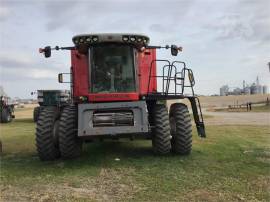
(132,39)
(125,38)
(95,38)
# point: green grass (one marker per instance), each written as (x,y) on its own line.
(232,164)
(262,108)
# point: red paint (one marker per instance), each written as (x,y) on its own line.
(144,63)
(80,74)
(107,97)
(79,65)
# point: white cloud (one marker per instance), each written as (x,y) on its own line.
(4,13)
(224,41)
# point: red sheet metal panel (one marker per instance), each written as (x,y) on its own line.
(80,74)
(144,62)
(111,97)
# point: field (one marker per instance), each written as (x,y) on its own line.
(232,164)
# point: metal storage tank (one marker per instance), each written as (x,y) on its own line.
(260,89)
(265,89)
(237,91)
(247,90)
(253,89)
(224,90)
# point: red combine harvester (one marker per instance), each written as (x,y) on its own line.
(115,94)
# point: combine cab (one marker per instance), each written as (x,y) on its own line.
(119,89)
(53,98)
(6,110)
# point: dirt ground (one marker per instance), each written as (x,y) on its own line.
(224,101)
(231,118)
(236,118)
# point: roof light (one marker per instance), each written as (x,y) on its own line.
(139,39)
(132,39)
(81,40)
(144,41)
(88,39)
(95,38)
(125,38)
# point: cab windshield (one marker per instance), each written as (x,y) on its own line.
(112,69)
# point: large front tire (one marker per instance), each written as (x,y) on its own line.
(36,113)
(6,116)
(161,131)
(70,144)
(181,129)
(46,134)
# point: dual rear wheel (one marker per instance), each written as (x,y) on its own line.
(173,131)
(56,135)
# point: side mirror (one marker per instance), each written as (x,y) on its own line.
(60,78)
(47,51)
(175,49)
(64,78)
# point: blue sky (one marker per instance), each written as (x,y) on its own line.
(224,42)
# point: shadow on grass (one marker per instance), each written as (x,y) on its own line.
(24,120)
(93,155)
(138,149)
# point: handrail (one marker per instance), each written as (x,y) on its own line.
(169,67)
(150,72)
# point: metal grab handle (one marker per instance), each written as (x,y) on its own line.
(191,77)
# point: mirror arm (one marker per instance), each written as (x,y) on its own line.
(157,47)
(64,48)
(42,50)
(179,48)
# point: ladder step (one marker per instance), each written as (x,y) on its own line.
(201,129)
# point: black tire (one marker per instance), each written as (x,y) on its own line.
(6,116)
(46,134)
(36,113)
(69,143)
(181,129)
(161,130)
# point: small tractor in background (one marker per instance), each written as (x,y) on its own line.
(118,90)
(6,110)
(54,98)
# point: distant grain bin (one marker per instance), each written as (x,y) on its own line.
(237,91)
(224,90)
(255,89)
(265,90)
(246,90)
(260,89)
